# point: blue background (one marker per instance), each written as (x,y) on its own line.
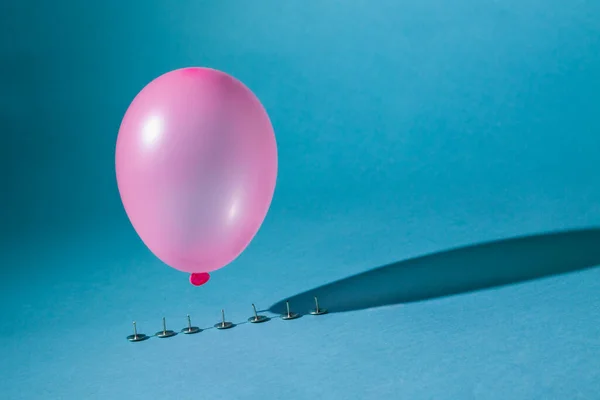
(404,128)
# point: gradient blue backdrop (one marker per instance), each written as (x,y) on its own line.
(404,128)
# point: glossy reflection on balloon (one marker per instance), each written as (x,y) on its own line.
(196,163)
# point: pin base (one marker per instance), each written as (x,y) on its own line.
(290,316)
(224,325)
(320,311)
(258,319)
(165,334)
(190,330)
(140,337)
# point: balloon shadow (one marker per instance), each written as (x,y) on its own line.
(456,271)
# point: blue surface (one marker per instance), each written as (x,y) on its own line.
(404,129)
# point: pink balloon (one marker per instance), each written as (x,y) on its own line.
(196,164)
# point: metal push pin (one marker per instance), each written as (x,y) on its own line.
(318,310)
(224,324)
(255,319)
(190,329)
(289,314)
(136,337)
(165,333)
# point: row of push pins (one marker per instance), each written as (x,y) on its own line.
(223,324)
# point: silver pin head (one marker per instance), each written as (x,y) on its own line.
(224,324)
(289,314)
(189,329)
(256,319)
(318,310)
(136,337)
(165,333)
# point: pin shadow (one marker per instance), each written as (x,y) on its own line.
(456,271)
